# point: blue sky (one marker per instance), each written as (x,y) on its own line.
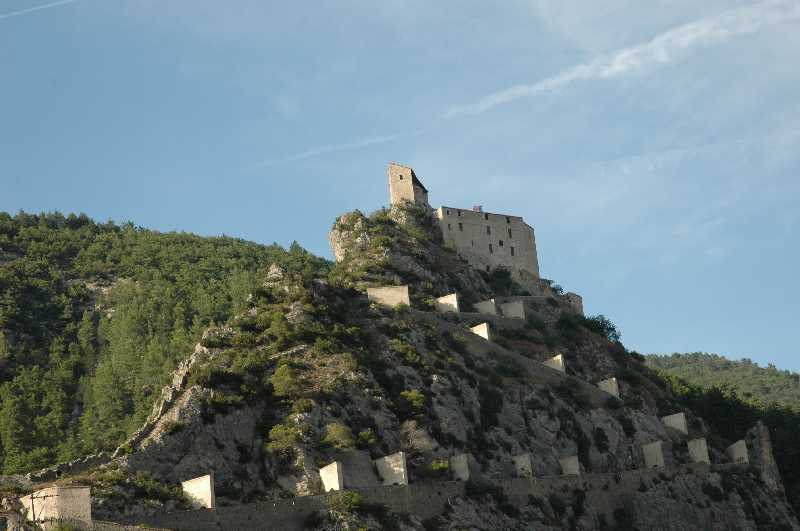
(652,145)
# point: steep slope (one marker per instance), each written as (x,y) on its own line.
(740,393)
(311,372)
(93,320)
(765,384)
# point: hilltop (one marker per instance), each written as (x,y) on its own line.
(751,382)
(508,409)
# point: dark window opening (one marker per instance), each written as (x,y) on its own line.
(508,219)
(509,233)
(401,177)
(448,212)
(487,269)
(449,227)
(459,213)
(491,249)
(461,227)
(488,229)
(512,251)
(486,217)
(500,243)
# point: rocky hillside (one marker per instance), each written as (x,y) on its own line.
(311,372)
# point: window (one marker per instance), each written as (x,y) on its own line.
(488,230)
(486,217)
(491,249)
(508,219)
(512,250)
(500,243)
(401,177)
(461,227)
(449,227)
(459,213)
(509,234)
(448,212)
(488,270)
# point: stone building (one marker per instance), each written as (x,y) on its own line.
(404,186)
(487,241)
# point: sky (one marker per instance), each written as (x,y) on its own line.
(654,146)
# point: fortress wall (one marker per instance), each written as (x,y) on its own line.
(604,492)
(698,450)
(447,304)
(676,421)
(515,309)
(392,469)
(653,455)
(556,362)
(332,477)
(486,307)
(490,240)
(495,321)
(404,186)
(570,466)
(483,330)
(200,491)
(73,503)
(537,372)
(422,499)
(738,452)
(390,296)
(610,386)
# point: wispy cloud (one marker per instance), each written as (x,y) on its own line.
(330,148)
(37,8)
(662,49)
(659,50)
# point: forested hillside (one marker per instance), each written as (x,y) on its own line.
(75,380)
(734,394)
(749,380)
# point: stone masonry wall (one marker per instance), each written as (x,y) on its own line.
(488,241)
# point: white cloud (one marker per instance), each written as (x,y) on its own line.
(321,150)
(37,8)
(660,50)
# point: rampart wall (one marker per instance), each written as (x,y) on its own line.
(424,500)
(488,241)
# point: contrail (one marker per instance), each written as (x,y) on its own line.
(660,50)
(37,8)
(327,149)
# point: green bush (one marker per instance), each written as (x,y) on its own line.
(367,439)
(283,438)
(344,502)
(338,436)
(285,381)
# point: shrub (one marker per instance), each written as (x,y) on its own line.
(627,426)
(436,469)
(285,381)
(284,438)
(338,436)
(344,502)
(173,427)
(367,438)
(600,439)
(413,400)
(558,504)
(602,325)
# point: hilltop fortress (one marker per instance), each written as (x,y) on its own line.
(485,240)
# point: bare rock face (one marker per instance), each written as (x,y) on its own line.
(349,234)
(760,442)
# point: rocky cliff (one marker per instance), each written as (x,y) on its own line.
(314,373)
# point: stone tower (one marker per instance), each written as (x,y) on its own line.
(404,186)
